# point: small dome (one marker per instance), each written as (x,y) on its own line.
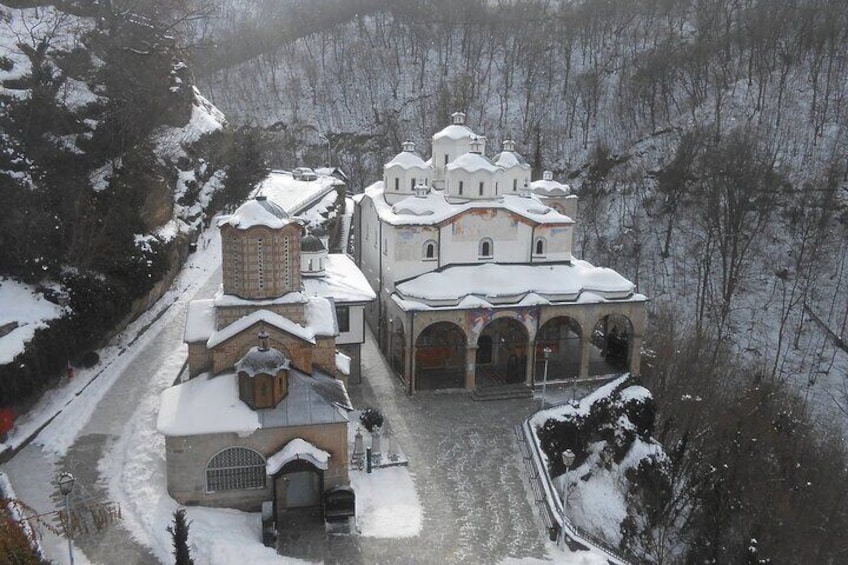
(259,361)
(311,244)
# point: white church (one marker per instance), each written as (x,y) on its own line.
(474,274)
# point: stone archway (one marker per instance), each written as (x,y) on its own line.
(561,335)
(440,357)
(611,339)
(502,350)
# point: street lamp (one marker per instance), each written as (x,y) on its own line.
(547,353)
(574,391)
(567,460)
(66,485)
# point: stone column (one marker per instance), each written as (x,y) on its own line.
(470,367)
(585,344)
(635,354)
(530,369)
(410,382)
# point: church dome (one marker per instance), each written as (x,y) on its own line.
(311,244)
(258,212)
(262,359)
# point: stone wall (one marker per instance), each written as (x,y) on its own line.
(226,354)
(187,458)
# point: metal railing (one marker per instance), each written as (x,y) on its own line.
(550,506)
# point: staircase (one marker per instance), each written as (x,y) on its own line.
(502,392)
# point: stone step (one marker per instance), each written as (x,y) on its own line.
(502,392)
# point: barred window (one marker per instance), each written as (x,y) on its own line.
(235,468)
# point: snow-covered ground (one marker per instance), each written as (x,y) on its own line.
(21,304)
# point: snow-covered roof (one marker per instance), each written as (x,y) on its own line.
(342,281)
(549,187)
(434,208)
(407,160)
(200,320)
(257,212)
(473,162)
(262,361)
(492,284)
(222,299)
(210,404)
(510,159)
(343,363)
(263,316)
(294,195)
(455,132)
(321,316)
(297,449)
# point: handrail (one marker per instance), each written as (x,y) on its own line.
(555,509)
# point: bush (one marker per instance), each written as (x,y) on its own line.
(371,418)
(89,359)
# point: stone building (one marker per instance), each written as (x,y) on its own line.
(475,279)
(263,413)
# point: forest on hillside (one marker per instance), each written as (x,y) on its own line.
(110,162)
(706,140)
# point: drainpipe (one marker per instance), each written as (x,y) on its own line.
(532,242)
(411,380)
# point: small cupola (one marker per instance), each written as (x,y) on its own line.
(458,118)
(508,145)
(409,146)
(313,256)
(477,145)
(421,190)
(547,175)
(525,191)
(263,375)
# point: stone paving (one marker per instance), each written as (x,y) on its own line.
(469,478)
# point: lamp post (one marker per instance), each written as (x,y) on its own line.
(66,485)
(547,353)
(567,460)
(574,391)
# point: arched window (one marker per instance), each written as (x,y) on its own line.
(235,468)
(429,249)
(485,248)
(539,248)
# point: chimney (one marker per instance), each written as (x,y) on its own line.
(477,145)
(525,190)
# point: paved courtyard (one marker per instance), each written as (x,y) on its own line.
(467,473)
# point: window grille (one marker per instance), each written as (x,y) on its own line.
(235,468)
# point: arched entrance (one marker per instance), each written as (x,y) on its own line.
(611,339)
(298,485)
(501,353)
(562,336)
(440,357)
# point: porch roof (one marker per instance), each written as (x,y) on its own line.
(491,285)
(297,449)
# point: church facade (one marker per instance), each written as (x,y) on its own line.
(263,415)
(474,274)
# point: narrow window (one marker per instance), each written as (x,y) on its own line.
(481,188)
(485,248)
(412,184)
(397,184)
(514,185)
(540,246)
(430,250)
(460,187)
(446,158)
(343,318)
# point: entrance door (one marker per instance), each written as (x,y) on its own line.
(484,350)
(302,489)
